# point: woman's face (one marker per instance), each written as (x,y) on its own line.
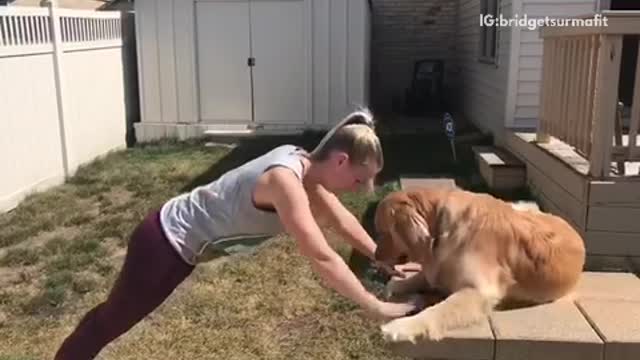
(345,176)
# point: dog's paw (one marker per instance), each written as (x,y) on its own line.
(410,329)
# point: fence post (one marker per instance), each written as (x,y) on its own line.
(56,40)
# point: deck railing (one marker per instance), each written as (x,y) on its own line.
(579,95)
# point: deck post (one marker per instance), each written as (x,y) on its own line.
(635,113)
(542,135)
(606,100)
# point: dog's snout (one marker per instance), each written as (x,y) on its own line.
(382,249)
(380,254)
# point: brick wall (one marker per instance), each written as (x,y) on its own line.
(404,31)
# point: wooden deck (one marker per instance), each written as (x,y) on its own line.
(605,212)
(580,101)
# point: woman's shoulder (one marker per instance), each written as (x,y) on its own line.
(289,156)
(289,148)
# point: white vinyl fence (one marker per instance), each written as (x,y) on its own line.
(61,95)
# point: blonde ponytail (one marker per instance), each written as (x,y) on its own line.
(355,135)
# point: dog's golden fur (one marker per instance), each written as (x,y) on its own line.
(478,250)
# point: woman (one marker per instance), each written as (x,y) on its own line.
(284,190)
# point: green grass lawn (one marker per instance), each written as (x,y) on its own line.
(60,251)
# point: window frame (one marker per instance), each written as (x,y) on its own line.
(489,35)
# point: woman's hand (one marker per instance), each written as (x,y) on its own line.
(408,268)
(390,310)
(391,271)
(400,270)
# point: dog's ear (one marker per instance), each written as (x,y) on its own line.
(413,230)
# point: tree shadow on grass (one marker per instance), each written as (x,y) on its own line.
(403,154)
(245,150)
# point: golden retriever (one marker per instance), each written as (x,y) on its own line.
(476,249)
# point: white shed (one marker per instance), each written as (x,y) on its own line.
(271,66)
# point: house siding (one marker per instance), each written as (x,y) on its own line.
(483,86)
(529,70)
(405,31)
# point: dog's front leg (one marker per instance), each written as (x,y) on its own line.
(461,309)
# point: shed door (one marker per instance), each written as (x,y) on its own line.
(273,33)
(280,75)
(223,49)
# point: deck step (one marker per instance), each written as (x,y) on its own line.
(525,205)
(501,170)
(600,321)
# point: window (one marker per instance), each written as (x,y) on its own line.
(489,34)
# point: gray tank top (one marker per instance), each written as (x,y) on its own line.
(220,218)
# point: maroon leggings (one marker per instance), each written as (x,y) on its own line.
(152,270)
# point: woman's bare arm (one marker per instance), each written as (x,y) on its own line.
(343,221)
(290,200)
